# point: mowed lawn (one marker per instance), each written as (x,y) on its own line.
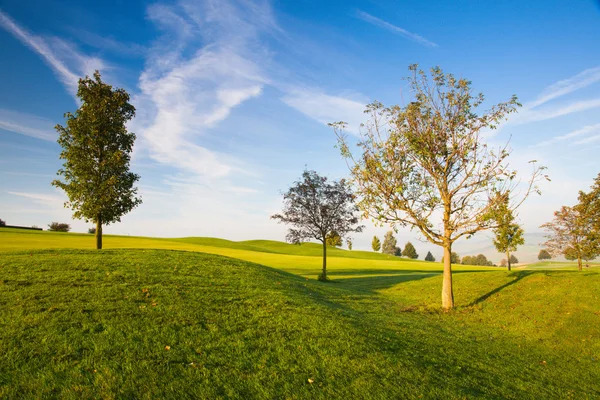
(158,323)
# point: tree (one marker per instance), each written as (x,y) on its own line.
(349,243)
(429,257)
(92,230)
(572,234)
(454,258)
(376,244)
(59,227)
(389,244)
(334,239)
(315,208)
(410,251)
(2,223)
(513,260)
(96,149)
(508,235)
(428,158)
(503,262)
(544,255)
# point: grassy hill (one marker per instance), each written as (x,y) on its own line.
(159,323)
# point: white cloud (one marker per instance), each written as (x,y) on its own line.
(27,124)
(394,29)
(576,133)
(66,62)
(566,86)
(41,198)
(326,108)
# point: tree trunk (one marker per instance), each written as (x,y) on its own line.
(579,264)
(324,273)
(447,293)
(508,259)
(98,234)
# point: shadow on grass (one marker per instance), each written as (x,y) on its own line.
(518,276)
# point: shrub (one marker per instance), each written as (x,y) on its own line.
(2,222)
(429,257)
(59,227)
(92,230)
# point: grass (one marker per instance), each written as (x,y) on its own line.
(88,324)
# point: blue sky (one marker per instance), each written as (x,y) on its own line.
(232,98)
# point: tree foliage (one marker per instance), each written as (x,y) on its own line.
(389,244)
(479,259)
(429,257)
(428,159)
(59,227)
(410,251)
(508,235)
(513,259)
(334,239)
(544,255)
(2,223)
(349,243)
(96,148)
(376,244)
(315,208)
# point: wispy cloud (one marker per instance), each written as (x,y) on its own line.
(67,63)
(566,86)
(41,198)
(27,124)
(326,108)
(577,133)
(394,29)
(528,115)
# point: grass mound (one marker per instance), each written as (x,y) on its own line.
(170,324)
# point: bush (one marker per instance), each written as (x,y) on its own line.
(92,230)
(59,227)
(2,222)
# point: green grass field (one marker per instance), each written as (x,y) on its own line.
(143,319)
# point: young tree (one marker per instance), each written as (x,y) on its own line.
(410,251)
(315,208)
(429,257)
(544,255)
(508,235)
(349,243)
(389,244)
(428,158)
(96,148)
(59,227)
(503,262)
(513,260)
(334,239)
(92,230)
(571,233)
(376,244)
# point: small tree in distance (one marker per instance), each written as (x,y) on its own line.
(544,255)
(376,244)
(428,158)
(96,149)
(59,227)
(410,251)
(349,243)
(429,257)
(508,235)
(513,259)
(334,239)
(315,208)
(389,244)
(2,223)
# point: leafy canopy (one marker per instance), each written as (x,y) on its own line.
(376,244)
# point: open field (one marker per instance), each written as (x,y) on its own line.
(83,323)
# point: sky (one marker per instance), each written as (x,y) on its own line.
(233,98)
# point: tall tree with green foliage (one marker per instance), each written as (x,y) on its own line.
(429,159)
(389,244)
(315,208)
(544,255)
(508,235)
(376,244)
(96,149)
(410,251)
(334,239)
(349,243)
(429,257)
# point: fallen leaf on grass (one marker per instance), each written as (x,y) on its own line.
(167,347)
(310,380)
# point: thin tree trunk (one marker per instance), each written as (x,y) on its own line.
(324,274)
(508,259)
(99,234)
(579,264)
(447,293)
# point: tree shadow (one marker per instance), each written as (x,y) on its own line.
(519,276)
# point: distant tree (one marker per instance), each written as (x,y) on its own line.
(429,257)
(389,244)
(572,234)
(513,259)
(376,244)
(2,223)
(454,258)
(35,227)
(508,235)
(544,255)
(349,243)
(479,259)
(59,227)
(503,262)
(468,260)
(409,251)
(96,149)
(429,159)
(315,207)
(398,252)
(334,239)
(92,230)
